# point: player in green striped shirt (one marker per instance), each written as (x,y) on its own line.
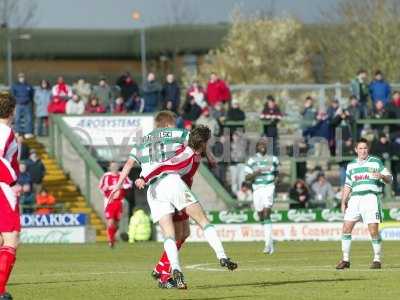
(365,178)
(262,170)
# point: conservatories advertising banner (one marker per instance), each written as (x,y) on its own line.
(292,225)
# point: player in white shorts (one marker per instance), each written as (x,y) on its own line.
(262,171)
(365,178)
(161,154)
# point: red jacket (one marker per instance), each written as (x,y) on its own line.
(57,107)
(217,91)
(95,109)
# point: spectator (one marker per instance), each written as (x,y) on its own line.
(321,135)
(396,163)
(218,113)
(61,89)
(311,177)
(24,149)
(379,89)
(104,93)
(347,151)
(359,88)
(333,109)
(36,170)
(299,195)
(23,93)
(237,166)
(322,191)
(379,112)
(118,106)
(42,99)
(393,110)
(381,147)
(217,91)
(57,105)
(27,199)
(217,150)
(206,120)
(272,114)
(45,202)
(135,104)
(191,110)
(356,114)
(24,177)
(244,196)
(235,113)
(82,89)
(196,92)
(151,94)
(171,94)
(127,86)
(309,115)
(93,107)
(343,122)
(75,106)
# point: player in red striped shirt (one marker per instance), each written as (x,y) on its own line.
(113,209)
(9,209)
(162,270)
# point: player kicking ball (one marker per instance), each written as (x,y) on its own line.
(113,209)
(9,209)
(262,171)
(365,177)
(161,155)
(197,144)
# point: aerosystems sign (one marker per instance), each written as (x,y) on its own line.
(109,130)
(53,228)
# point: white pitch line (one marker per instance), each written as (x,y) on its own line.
(326,268)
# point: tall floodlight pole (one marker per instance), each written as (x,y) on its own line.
(137,17)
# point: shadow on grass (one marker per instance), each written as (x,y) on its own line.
(277,283)
(50,282)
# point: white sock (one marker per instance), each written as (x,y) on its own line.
(212,238)
(268,233)
(172,253)
(377,246)
(346,246)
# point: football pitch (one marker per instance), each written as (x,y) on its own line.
(298,270)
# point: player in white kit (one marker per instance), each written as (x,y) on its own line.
(262,171)
(365,178)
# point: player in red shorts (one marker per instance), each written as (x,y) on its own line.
(181,220)
(113,209)
(9,208)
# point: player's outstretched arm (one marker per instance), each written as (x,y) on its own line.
(130,163)
(345,196)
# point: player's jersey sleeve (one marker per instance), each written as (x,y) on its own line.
(127,184)
(8,156)
(103,184)
(275,165)
(348,182)
(249,166)
(134,154)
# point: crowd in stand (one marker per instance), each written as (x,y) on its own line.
(212,105)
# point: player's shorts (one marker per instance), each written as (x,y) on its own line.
(114,210)
(180,216)
(9,218)
(263,197)
(366,208)
(168,194)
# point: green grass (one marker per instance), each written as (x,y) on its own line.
(298,270)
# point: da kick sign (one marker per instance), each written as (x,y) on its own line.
(54,229)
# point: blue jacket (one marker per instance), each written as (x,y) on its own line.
(380,90)
(42,99)
(151,96)
(322,129)
(23,93)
